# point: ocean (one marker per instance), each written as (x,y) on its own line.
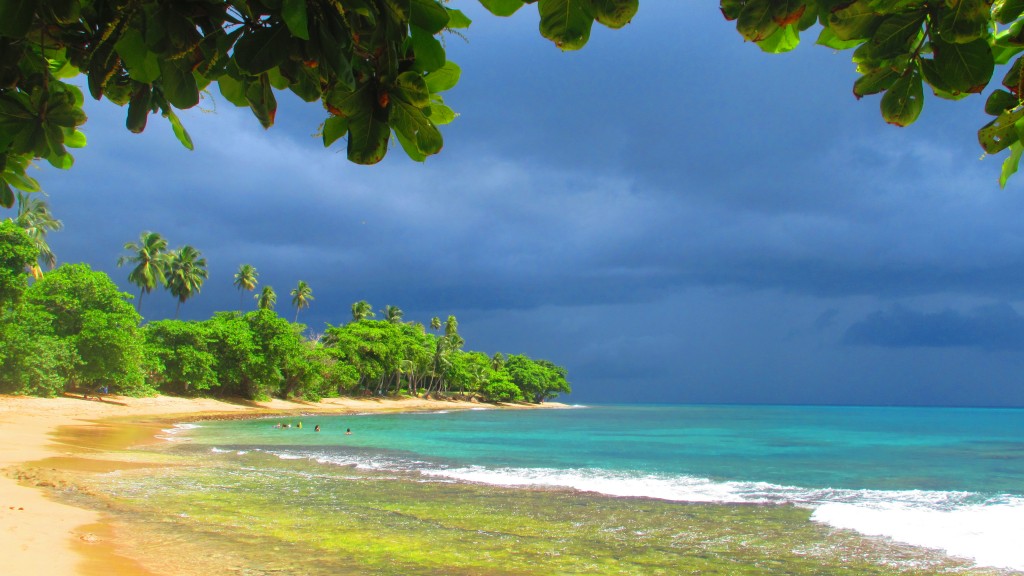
(947,482)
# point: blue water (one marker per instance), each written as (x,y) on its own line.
(951,479)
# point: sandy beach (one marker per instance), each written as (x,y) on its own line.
(39,535)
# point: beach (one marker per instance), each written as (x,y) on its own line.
(43,536)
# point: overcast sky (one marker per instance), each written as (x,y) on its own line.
(670,213)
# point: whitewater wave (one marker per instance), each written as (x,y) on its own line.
(171,434)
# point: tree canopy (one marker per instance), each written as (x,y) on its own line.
(378,67)
(899,46)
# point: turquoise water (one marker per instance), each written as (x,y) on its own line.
(950,479)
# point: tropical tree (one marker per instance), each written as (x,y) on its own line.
(435,323)
(393,314)
(35,218)
(302,295)
(245,279)
(186,272)
(361,311)
(148,256)
(266,299)
(451,327)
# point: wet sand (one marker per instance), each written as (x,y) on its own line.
(39,535)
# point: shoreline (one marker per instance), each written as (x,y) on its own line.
(43,535)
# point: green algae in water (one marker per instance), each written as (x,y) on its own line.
(256,514)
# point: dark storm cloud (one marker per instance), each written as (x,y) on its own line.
(994,327)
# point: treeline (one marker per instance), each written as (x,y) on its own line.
(73,329)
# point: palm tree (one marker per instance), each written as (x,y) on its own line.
(266,299)
(451,327)
(186,272)
(245,279)
(361,311)
(393,314)
(435,323)
(150,263)
(35,218)
(302,295)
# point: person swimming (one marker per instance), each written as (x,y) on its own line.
(316,428)
(348,431)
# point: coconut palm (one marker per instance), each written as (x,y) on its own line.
(393,314)
(186,272)
(361,311)
(35,218)
(245,279)
(150,263)
(435,323)
(302,295)
(266,299)
(451,327)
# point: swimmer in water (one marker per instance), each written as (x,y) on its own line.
(317,428)
(348,431)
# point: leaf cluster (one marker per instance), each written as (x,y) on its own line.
(900,46)
(378,67)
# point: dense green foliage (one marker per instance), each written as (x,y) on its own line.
(72,329)
(953,47)
(377,66)
(17,253)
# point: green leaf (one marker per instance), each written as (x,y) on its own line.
(963,67)
(74,138)
(429,52)
(964,21)
(61,161)
(411,87)
(1006,11)
(179,85)
(259,51)
(335,127)
(998,134)
(441,114)
(179,131)
(784,39)
(858,20)
(262,102)
(1011,163)
(232,90)
(142,64)
(755,22)
(64,11)
(875,82)
(16,17)
(1000,100)
(502,7)
(828,38)
(444,78)
(903,101)
(367,123)
(457,20)
(896,35)
(294,14)
(6,195)
(409,120)
(615,13)
(428,15)
(139,108)
(410,148)
(21,181)
(567,23)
